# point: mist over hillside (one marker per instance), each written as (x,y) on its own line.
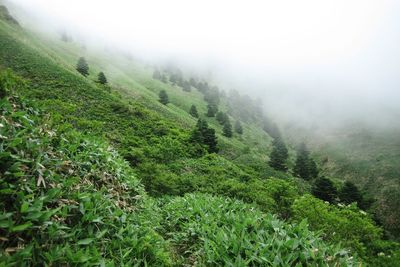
(309,63)
(199,133)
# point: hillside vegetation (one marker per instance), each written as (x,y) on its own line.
(104,174)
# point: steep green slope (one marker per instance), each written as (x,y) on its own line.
(70,199)
(154,139)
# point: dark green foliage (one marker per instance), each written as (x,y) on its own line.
(348,225)
(202,134)
(193,111)
(221,117)
(279,155)
(102,78)
(66,198)
(157,75)
(238,127)
(227,129)
(312,169)
(173,79)
(350,193)
(305,167)
(211,110)
(163,97)
(82,67)
(324,189)
(164,78)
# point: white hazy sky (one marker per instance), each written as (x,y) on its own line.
(285,51)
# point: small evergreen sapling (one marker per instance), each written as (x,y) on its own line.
(102,78)
(82,67)
(279,155)
(193,111)
(163,97)
(227,129)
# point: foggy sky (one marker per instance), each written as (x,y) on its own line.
(309,61)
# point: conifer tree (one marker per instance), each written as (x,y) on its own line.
(204,135)
(164,78)
(238,127)
(163,97)
(221,117)
(312,169)
(102,78)
(350,193)
(227,129)
(279,155)
(211,110)
(324,189)
(301,168)
(173,79)
(193,111)
(82,66)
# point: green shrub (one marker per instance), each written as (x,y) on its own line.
(215,231)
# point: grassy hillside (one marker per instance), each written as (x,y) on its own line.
(78,157)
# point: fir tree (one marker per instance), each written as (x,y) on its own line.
(350,193)
(82,66)
(301,168)
(102,78)
(324,189)
(204,135)
(193,111)
(312,169)
(163,97)
(164,78)
(221,117)
(211,110)
(238,127)
(278,155)
(227,129)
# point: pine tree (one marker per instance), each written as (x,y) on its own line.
(350,193)
(278,155)
(163,97)
(210,139)
(211,110)
(238,127)
(221,117)
(227,129)
(193,111)
(312,169)
(82,66)
(204,135)
(102,78)
(301,168)
(324,189)
(164,78)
